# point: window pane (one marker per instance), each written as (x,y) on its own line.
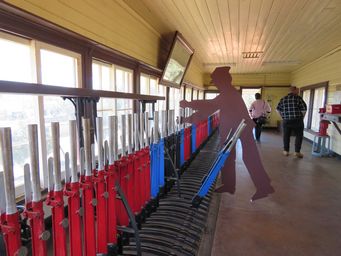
(96,76)
(15,61)
(177,99)
(161,104)
(16,112)
(211,95)
(195,94)
(58,69)
(188,95)
(248,96)
(123,80)
(306,98)
(171,98)
(124,83)
(58,110)
(101,80)
(144,86)
(182,92)
(153,87)
(319,96)
(201,95)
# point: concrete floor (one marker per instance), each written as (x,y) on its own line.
(303,217)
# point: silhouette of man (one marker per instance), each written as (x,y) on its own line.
(232,110)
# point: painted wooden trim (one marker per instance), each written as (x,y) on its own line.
(41,89)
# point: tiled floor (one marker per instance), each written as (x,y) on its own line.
(303,217)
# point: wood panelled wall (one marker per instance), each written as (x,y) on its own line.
(268,79)
(111,23)
(326,68)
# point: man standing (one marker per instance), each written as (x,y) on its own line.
(259,110)
(292,109)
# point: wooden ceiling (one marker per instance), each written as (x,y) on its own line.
(284,34)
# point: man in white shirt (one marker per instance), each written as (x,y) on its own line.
(259,109)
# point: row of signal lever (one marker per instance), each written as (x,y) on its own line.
(97,214)
(100,194)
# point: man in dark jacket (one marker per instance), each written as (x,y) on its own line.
(292,109)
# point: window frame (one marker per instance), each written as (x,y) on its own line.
(310,104)
(35,50)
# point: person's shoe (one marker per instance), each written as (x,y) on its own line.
(223,188)
(298,155)
(286,153)
(261,193)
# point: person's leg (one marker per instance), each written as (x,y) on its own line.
(299,127)
(255,129)
(255,166)
(228,174)
(286,135)
(258,130)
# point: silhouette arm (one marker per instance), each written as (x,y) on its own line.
(199,105)
(195,118)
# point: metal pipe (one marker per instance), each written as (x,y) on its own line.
(130,133)
(164,123)
(115,142)
(27,183)
(181,113)
(10,231)
(7,161)
(123,136)
(156,127)
(111,140)
(56,156)
(146,122)
(93,157)
(67,168)
(82,162)
(34,161)
(136,132)
(99,126)
(87,147)
(141,131)
(73,150)
(50,183)
(2,194)
(106,152)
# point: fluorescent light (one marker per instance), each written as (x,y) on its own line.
(252,55)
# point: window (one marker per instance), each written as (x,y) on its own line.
(188,94)
(195,94)
(315,97)
(306,97)
(210,95)
(161,104)
(149,85)
(200,95)
(16,61)
(174,100)
(248,95)
(16,111)
(25,60)
(109,77)
(182,92)
(123,83)
(58,66)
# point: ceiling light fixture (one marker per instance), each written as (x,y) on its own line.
(252,55)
